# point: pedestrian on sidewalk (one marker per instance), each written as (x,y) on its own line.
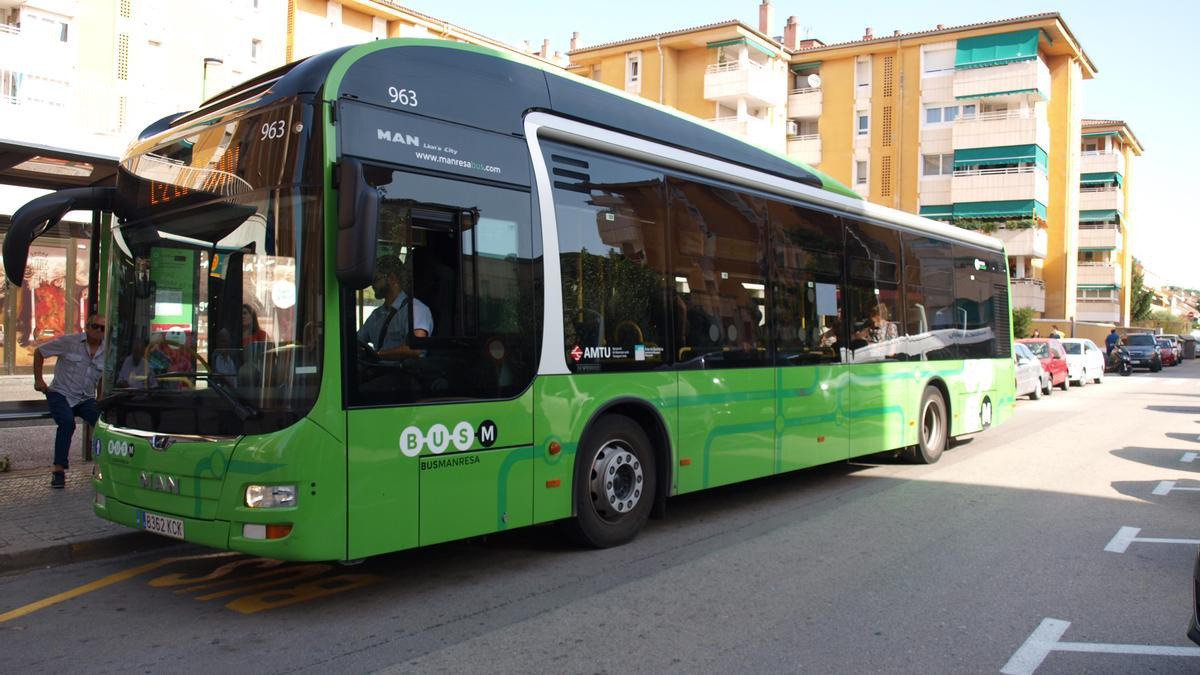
(80,361)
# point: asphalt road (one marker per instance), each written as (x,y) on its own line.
(994,558)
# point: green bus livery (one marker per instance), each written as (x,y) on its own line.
(415,291)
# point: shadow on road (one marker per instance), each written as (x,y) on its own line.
(1164,458)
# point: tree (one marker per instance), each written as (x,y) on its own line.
(1141,297)
(1022,317)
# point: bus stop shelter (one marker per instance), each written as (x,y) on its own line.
(30,165)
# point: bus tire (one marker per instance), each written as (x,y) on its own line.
(614,482)
(933,428)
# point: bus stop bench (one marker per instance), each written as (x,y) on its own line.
(19,411)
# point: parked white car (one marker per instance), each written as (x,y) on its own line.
(1085,361)
(1032,378)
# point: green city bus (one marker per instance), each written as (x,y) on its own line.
(414,291)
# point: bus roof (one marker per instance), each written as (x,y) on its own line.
(494,90)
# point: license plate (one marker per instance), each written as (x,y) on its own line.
(168,527)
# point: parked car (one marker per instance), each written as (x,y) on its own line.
(1176,344)
(1143,351)
(1085,361)
(1050,352)
(1032,378)
(1167,353)
(1194,624)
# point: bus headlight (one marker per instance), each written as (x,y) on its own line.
(270,496)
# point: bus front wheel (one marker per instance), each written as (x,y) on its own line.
(614,482)
(933,428)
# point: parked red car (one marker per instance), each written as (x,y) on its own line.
(1053,357)
(1167,352)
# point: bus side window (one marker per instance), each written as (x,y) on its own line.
(807,283)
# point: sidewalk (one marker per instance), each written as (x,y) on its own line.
(43,526)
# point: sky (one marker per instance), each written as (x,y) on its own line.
(1145,54)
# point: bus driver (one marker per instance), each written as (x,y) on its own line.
(387,327)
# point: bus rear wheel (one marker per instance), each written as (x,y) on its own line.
(933,428)
(614,482)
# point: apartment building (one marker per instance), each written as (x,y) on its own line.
(728,73)
(978,125)
(1105,262)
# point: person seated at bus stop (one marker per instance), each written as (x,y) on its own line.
(80,361)
(387,329)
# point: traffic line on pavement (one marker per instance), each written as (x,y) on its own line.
(1046,638)
(1166,487)
(102,583)
(1128,535)
(1189,456)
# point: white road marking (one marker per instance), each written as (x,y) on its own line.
(1166,487)
(1189,456)
(1128,535)
(1045,639)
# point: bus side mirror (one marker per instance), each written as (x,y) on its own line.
(358,225)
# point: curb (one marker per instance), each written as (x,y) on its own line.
(73,552)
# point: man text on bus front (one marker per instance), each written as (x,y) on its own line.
(387,329)
(73,392)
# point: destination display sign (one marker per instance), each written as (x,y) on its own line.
(369,132)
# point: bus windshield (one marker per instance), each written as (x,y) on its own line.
(213,315)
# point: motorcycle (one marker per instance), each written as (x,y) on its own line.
(1119,361)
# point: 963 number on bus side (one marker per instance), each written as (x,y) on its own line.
(406,97)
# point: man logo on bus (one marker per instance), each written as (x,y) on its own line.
(413,441)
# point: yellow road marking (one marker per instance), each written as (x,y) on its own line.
(102,583)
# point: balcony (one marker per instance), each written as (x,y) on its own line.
(1009,127)
(1100,236)
(1029,293)
(750,80)
(999,185)
(805,149)
(1099,274)
(1106,198)
(1031,242)
(804,103)
(34,55)
(751,129)
(1022,78)
(1100,310)
(1102,162)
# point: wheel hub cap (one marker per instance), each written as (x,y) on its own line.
(616,481)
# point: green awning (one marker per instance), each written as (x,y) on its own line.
(1016,208)
(1100,216)
(1008,154)
(938,211)
(1012,92)
(1101,134)
(805,66)
(997,50)
(1098,287)
(1101,178)
(744,41)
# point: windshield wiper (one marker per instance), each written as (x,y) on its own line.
(243,410)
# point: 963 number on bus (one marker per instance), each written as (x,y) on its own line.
(406,97)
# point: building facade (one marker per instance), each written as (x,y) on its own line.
(977,125)
(1107,152)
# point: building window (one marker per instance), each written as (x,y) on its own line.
(864,123)
(255,49)
(633,72)
(860,173)
(862,75)
(944,114)
(937,165)
(939,61)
